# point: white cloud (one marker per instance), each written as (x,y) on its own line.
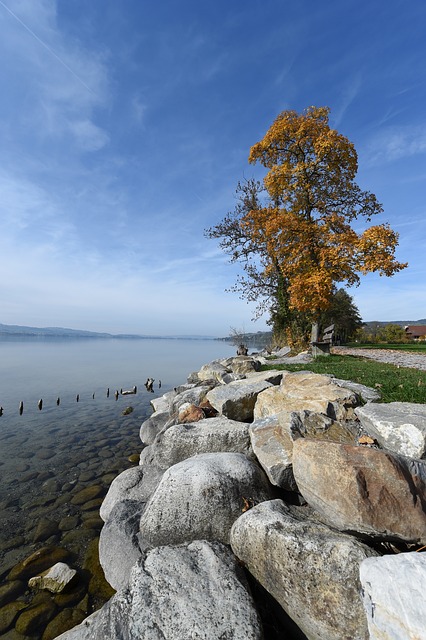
(394,143)
(89,137)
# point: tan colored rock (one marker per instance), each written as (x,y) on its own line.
(364,490)
(38,561)
(272,441)
(306,390)
(87,494)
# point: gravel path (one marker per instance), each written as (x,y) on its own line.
(397,358)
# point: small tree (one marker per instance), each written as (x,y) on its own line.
(344,314)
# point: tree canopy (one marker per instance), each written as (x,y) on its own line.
(294,233)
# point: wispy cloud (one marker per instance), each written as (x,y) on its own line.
(394,143)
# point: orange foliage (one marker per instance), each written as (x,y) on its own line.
(307,231)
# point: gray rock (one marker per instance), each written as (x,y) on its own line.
(312,571)
(126,486)
(272,376)
(394,590)
(236,400)
(273,446)
(162,404)
(243,364)
(195,395)
(176,593)
(209,435)
(215,370)
(367,394)
(153,425)
(372,492)
(201,497)
(119,546)
(397,426)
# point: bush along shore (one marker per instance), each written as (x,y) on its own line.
(268,504)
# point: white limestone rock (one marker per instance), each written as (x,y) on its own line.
(153,425)
(397,426)
(367,394)
(126,486)
(55,579)
(177,593)
(209,435)
(394,588)
(201,497)
(119,545)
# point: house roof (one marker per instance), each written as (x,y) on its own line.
(416,330)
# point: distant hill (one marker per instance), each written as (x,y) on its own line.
(61,332)
(13,329)
(401,323)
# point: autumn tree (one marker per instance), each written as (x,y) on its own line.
(260,282)
(303,225)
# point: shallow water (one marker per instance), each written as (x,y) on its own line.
(49,457)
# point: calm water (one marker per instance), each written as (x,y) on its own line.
(49,456)
(48,368)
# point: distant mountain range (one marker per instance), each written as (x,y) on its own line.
(60,332)
(401,323)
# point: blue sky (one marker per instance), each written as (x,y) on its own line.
(125,127)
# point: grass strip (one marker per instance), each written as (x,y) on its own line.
(396,384)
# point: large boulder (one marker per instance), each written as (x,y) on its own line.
(242,364)
(393,589)
(398,426)
(272,441)
(119,545)
(153,425)
(192,591)
(209,435)
(236,400)
(136,483)
(215,370)
(195,395)
(305,390)
(312,571)
(272,444)
(371,492)
(201,497)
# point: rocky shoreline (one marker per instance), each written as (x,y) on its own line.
(266,505)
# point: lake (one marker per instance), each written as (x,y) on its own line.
(57,463)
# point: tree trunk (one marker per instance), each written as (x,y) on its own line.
(315,332)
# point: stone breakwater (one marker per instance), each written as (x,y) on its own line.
(267,505)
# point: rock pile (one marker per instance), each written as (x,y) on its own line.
(264,517)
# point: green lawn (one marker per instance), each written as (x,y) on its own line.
(396,384)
